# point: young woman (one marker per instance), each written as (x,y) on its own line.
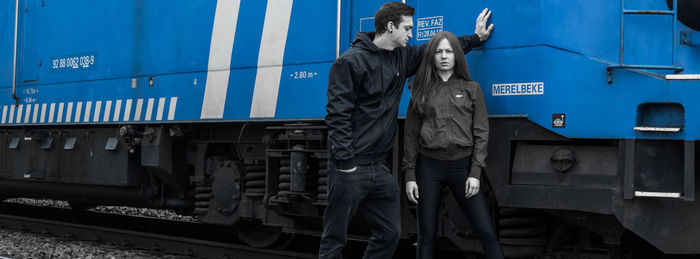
(446,134)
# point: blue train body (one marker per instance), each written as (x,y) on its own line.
(94,64)
(72,54)
(587,99)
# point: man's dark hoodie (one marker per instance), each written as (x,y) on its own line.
(364,90)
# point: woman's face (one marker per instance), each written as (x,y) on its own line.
(444,56)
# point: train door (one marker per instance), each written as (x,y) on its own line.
(29,55)
(7,42)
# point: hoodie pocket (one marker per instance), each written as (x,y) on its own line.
(367,109)
(371,103)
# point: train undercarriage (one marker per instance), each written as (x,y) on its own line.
(551,197)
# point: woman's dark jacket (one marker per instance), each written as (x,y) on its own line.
(454,125)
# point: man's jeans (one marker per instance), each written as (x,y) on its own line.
(374,193)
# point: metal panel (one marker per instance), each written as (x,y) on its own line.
(689,171)
(28,159)
(656,32)
(74,156)
(587,27)
(84,159)
(3,154)
(17,157)
(658,166)
(629,169)
(7,20)
(28,55)
(165,37)
(594,165)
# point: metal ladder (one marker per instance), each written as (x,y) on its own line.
(677,69)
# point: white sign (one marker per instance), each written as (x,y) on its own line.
(73,62)
(517,89)
(428,26)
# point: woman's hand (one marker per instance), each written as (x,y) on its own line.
(471,188)
(412,191)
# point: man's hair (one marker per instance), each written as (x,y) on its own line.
(426,81)
(391,12)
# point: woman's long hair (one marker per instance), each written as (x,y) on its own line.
(427,78)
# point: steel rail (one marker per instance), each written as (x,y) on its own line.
(141,240)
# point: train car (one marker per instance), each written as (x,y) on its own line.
(215,109)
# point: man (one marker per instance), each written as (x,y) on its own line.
(364,90)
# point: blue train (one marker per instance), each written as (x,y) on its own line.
(215,109)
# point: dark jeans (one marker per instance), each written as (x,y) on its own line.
(432,175)
(374,193)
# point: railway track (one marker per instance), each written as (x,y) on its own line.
(183,238)
(166,236)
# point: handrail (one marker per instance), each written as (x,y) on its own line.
(674,66)
(647,12)
(14,58)
(337,32)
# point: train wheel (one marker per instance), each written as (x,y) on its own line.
(259,236)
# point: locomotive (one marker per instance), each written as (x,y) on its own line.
(215,109)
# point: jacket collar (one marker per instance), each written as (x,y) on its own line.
(364,40)
(451,79)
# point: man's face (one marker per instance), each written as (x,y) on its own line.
(402,33)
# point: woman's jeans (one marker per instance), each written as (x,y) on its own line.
(432,175)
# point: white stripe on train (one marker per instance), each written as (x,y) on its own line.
(69,111)
(51,112)
(27,113)
(220,51)
(98,108)
(108,110)
(78,111)
(127,109)
(149,110)
(12,113)
(171,110)
(19,113)
(117,110)
(43,113)
(88,108)
(161,106)
(4,114)
(36,113)
(271,58)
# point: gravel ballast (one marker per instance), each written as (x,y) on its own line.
(21,245)
(121,210)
